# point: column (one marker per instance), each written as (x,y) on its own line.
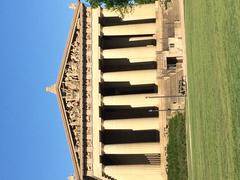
(134,100)
(132,148)
(140,38)
(134,123)
(134,170)
(135,14)
(134,77)
(139,177)
(133,29)
(147,52)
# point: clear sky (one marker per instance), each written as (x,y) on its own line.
(33,35)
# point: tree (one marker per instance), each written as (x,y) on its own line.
(122,6)
(115,4)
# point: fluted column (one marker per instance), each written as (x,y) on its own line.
(132,148)
(134,77)
(147,52)
(134,124)
(135,14)
(139,177)
(135,170)
(134,100)
(133,29)
(141,38)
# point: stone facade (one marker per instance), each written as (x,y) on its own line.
(113,71)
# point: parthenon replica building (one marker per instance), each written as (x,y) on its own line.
(113,71)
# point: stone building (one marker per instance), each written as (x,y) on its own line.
(112,71)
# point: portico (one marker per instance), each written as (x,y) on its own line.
(110,67)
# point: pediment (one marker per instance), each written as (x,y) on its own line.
(68,89)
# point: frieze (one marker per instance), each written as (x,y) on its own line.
(89,91)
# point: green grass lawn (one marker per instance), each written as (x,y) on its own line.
(213,50)
(176,150)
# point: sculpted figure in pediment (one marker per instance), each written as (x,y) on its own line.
(75,57)
(71,78)
(71,104)
(79,23)
(75,123)
(79,37)
(71,74)
(73,67)
(77,148)
(76,42)
(66,92)
(73,85)
(77,138)
(76,48)
(78,143)
(74,120)
(71,95)
(76,95)
(77,110)
(73,117)
(77,133)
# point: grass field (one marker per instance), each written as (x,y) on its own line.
(176,150)
(213,51)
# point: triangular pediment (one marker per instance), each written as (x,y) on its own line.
(69,89)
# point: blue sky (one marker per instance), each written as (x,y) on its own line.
(33,36)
